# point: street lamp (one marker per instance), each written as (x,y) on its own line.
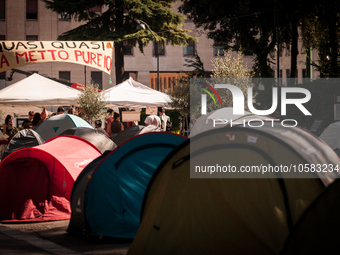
(141,26)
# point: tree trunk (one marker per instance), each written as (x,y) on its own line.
(119,62)
(294,53)
(119,54)
(333,45)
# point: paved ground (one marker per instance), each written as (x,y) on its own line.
(51,238)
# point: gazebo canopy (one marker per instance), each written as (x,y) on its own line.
(131,93)
(37,90)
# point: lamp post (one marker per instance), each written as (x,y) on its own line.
(141,26)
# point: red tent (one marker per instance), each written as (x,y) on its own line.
(36,182)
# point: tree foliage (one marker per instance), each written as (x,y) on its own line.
(321,30)
(186,94)
(242,26)
(229,69)
(250,25)
(180,95)
(118,23)
(91,102)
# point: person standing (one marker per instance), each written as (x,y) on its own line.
(71,111)
(60,110)
(186,126)
(108,120)
(98,126)
(29,120)
(115,126)
(8,126)
(164,119)
(37,120)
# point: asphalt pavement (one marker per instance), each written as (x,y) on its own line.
(51,238)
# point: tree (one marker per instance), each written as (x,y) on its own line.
(320,30)
(187,93)
(241,26)
(180,95)
(118,23)
(91,102)
(228,69)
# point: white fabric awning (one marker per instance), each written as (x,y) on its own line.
(37,90)
(131,93)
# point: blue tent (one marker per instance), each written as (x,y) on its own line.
(115,191)
(55,125)
(77,223)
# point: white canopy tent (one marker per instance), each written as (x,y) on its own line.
(37,90)
(131,93)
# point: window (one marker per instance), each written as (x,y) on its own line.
(152,84)
(280,73)
(189,50)
(97,79)
(160,84)
(65,75)
(31,9)
(281,50)
(304,73)
(287,73)
(218,50)
(2,37)
(64,16)
(287,50)
(31,38)
(2,9)
(3,75)
(303,49)
(127,49)
(161,48)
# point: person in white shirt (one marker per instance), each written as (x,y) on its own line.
(164,118)
(152,120)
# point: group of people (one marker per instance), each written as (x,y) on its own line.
(159,121)
(113,125)
(33,121)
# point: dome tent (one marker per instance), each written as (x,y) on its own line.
(130,132)
(26,138)
(206,122)
(97,138)
(114,193)
(55,125)
(317,231)
(36,183)
(77,221)
(183,215)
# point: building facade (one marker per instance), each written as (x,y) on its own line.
(30,20)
